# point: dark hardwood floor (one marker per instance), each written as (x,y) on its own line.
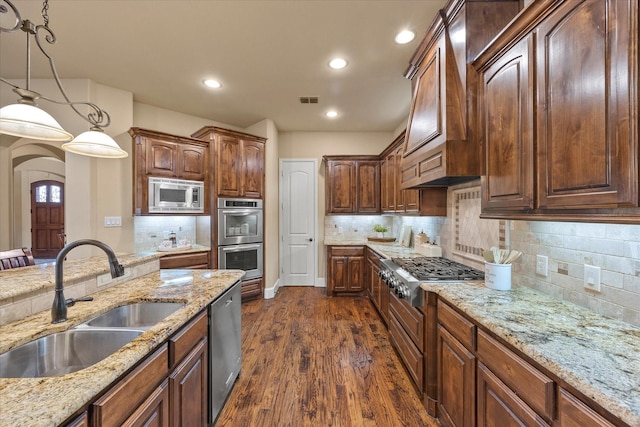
(311,360)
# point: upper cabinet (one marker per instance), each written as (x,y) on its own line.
(430,201)
(164,155)
(441,146)
(352,184)
(239,162)
(559,114)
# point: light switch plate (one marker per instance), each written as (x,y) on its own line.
(592,278)
(542,265)
(113,221)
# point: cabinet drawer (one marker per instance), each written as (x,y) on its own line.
(347,250)
(410,355)
(126,396)
(531,385)
(410,318)
(457,325)
(573,413)
(194,260)
(182,343)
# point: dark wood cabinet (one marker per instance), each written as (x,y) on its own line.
(441,146)
(574,413)
(188,388)
(507,127)
(238,162)
(558,114)
(352,184)
(80,421)
(165,155)
(498,405)
(377,289)
(426,201)
(251,289)
(345,269)
(154,411)
(195,260)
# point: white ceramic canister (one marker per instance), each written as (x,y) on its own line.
(497,276)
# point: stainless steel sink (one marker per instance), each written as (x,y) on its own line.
(141,315)
(64,352)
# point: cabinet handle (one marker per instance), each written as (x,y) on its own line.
(229,301)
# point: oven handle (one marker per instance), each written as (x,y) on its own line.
(240,212)
(237,248)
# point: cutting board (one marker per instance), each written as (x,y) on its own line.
(405,236)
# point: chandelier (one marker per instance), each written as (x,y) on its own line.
(26,120)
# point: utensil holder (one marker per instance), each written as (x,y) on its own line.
(497,276)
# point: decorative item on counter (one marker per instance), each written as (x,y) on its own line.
(429,250)
(172,238)
(381,229)
(497,267)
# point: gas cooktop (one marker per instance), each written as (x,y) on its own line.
(435,269)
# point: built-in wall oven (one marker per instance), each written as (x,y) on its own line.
(240,236)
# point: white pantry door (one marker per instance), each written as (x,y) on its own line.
(298,200)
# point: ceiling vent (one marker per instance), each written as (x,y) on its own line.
(308,100)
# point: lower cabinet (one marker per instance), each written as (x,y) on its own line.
(345,269)
(198,260)
(251,289)
(484,382)
(376,288)
(168,388)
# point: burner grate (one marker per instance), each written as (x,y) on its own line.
(431,268)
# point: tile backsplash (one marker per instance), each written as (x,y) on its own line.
(151,230)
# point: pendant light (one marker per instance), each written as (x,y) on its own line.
(26,120)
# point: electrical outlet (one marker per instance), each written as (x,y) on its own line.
(592,278)
(542,265)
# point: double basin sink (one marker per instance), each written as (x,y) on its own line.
(85,345)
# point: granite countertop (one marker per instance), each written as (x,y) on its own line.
(26,280)
(597,355)
(50,401)
(388,250)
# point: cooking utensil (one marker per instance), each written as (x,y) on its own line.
(488,255)
(513,255)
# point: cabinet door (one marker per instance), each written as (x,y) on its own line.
(154,411)
(456,382)
(192,162)
(188,389)
(341,186)
(339,274)
(368,187)
(81,421)
(161,157)
(506,119)
(355,278)
(391,181)
(251,289)
(384,176)
(499,406)
(253,169)
(399,193)
(229,166)
(587,116)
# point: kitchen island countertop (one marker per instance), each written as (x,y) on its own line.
(597,355)
(50,401)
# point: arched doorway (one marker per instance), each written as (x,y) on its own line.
(47,218)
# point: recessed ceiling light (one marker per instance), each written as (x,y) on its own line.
(405,36)
(212,83)
(331,114)
(337,63)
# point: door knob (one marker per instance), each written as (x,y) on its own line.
(310,239)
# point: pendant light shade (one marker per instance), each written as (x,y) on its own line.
(28,121)
(95,143)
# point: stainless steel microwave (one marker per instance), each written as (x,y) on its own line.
(168,195)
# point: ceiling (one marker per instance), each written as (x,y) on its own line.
(266,54)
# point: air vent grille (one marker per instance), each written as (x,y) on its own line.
(308,100)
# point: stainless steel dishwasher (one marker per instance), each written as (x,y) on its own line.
(225,342)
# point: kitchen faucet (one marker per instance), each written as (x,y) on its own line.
(60,304)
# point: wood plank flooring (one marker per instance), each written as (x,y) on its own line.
(311,360)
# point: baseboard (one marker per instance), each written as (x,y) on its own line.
(270,293)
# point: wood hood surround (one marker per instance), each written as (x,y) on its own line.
(442,147)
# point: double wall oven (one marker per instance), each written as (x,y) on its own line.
(240,236)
